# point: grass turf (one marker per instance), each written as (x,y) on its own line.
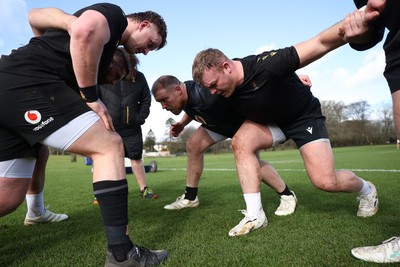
(320,233)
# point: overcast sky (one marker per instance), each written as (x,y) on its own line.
(239,28)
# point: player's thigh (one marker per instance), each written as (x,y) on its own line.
(199,141)
(97,140)
(252,136)
(318,161)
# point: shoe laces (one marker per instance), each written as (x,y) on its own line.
(365,201)
(247,217)
(144,255)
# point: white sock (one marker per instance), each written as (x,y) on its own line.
(35,204)
(253,203)
(366,189)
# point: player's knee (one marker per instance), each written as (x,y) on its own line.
(10,204)
(112,145)
(239,146)
(327,183)
(193,147)
(117,144)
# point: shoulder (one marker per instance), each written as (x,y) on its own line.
(113,13)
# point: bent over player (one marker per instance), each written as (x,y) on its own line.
(49,95)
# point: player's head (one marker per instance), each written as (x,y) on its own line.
(146,31)
(213,70)
(119,67)
(170,93)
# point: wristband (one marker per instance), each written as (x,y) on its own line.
(89,94)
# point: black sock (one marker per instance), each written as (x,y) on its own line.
(286,192)
(113,201)
(191,193)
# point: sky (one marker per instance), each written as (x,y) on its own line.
(238,28)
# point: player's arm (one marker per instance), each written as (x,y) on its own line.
(324,42)
(41,19)
(318,46)
(178,127)
(361,29)
(89,33)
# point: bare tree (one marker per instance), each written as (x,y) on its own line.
(385,115)
(358,111)
(334,113)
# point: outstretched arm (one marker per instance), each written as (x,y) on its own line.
(41,19)
(318,46)
(324,42)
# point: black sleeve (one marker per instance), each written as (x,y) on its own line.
(280,62)
(145,101)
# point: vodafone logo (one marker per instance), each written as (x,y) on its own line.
(33,116)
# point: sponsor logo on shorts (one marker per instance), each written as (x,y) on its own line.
(43,123)
(33,116)
(309,129)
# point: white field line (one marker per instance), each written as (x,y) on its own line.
(282,170)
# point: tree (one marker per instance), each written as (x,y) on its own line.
(334,113)
(167,133)
(150,141)
(385,115)
(358,124)
(358,110)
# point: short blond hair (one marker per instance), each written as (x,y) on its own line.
(207,59)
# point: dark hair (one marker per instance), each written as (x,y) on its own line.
(134,62)
(165,82)
(154,18)
(124,57)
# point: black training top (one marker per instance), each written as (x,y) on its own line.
(128,102)
(271,91)
(51,50)
(211,110)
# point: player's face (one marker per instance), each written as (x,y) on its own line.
(143,40)
(218,81)
(169,100)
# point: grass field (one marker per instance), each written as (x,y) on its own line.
(320,233)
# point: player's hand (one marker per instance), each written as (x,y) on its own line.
(176,129)
(355,27)
(305,79)
(102,111)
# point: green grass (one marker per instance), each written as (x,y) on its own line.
(320,233)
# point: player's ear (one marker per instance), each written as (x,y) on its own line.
(178,89)
(144,24)
(226,67)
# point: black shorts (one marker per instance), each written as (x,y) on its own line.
(392,69)
(307,128)
(32,108)
(133,143)
(392,75)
